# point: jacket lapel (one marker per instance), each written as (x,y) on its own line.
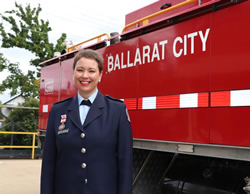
(96,109)
(74,113)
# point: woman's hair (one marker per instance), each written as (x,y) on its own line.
(89,54)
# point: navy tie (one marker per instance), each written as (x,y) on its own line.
(86,102)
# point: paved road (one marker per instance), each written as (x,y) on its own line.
(20,176)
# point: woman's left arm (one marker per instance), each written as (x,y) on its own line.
(125,153)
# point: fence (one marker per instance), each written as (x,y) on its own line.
(33,146)
(14,126)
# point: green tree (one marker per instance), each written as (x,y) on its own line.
(29,33)
(1,117)
(26,119)
(2,62)
(19,83)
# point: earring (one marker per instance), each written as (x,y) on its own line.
(99,80)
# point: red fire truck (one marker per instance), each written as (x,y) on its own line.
(183,70)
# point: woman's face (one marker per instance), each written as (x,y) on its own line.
(86,76)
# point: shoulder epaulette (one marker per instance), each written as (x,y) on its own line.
(63,100)
(115,99)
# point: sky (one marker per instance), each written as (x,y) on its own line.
(79,19)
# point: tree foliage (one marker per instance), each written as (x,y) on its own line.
(3,64)
(26,31)
(18,82)
(30,33)
(1,117)
(25,118)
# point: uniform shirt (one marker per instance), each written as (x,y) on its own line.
(84,109)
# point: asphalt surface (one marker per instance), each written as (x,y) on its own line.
(20,176)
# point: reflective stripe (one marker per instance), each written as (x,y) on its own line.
(131,103)
(220,98)
(203,99)
(230,98)
(149,102)
(189,100)
(168,101)
(240,98)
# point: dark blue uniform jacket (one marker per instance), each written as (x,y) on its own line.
(95,158)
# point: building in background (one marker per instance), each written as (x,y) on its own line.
(10,104)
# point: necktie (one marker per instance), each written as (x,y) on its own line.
(86,102)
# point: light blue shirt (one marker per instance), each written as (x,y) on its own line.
(83,109)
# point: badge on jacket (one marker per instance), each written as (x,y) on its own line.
(61,127)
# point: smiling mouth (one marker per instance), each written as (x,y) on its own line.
(84,83)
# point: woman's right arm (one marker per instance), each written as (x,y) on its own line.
(49,157)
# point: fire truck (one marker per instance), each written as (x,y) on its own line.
(183,70)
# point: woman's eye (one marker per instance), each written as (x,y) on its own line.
(79,70)
(91,71)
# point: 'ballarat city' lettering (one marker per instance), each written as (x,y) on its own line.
(142,56)
(181,46)
(190,38)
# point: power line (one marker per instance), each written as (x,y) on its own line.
(87,20)
(85,16)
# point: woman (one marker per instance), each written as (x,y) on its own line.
(88,145)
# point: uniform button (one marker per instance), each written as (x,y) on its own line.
(84,165)
(82,135)
(86,181)
(83,150)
